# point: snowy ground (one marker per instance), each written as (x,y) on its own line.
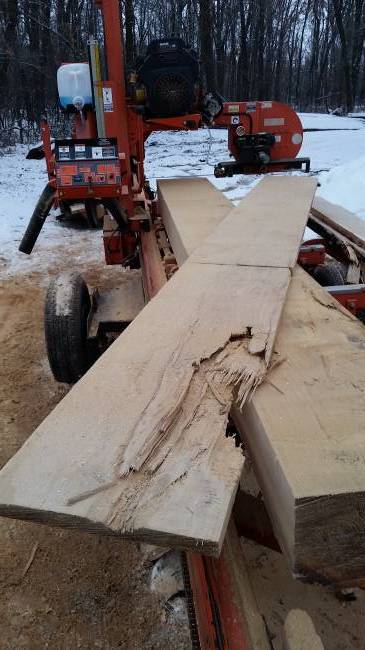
(335,157)
(21,182)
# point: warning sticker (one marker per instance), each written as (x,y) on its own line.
(64,153)
(274,121)
(97,152)
(109,152)
(233,108)
(251,107)
(80,151)
(266,104)
(108,100)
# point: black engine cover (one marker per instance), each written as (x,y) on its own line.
(170,74)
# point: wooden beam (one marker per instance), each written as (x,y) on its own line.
(153,275)
(138,448)
(304,429)
(191,209)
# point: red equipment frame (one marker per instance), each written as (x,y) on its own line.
(130,128)
(351,296)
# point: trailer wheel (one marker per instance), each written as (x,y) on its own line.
(330,274)
(66,313)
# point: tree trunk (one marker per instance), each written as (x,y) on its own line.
(206,44)
(130,53)
(338,8)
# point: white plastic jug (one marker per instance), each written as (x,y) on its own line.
(74,85)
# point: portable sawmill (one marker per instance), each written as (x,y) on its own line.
(102,164)
(112,116)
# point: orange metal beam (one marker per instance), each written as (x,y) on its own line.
(116,119)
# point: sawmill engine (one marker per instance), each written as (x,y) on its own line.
(168,78)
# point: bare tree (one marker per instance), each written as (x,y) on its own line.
(307,52)
(206,43)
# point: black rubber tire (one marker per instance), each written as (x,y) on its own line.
(331,274)
(66,312)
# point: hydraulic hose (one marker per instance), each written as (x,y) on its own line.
(40,214)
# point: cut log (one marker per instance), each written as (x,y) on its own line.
(305,429)
(138,448)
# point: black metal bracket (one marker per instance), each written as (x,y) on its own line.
(231,168)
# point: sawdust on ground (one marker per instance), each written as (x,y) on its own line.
(81,590)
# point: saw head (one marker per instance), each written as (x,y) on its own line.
(262,136)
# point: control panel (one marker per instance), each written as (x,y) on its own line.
(87,162)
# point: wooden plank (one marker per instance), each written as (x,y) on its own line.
(309,460)
(305,430)
(198,207)
(153,275)
(181,494)
(152,461)
(270,237)
(343,221)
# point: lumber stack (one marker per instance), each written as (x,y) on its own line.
(305,427)
(138,448)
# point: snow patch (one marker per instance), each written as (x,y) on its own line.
(344,185)
(63,290)
(168,155)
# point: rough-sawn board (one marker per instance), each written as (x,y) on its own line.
(305,426)
(138,446)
